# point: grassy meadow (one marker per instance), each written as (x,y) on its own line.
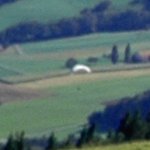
(144,145)
(46,58)
(62,104)
(43,96)
(67,104)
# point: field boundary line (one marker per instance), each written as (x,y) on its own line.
(11,70)
(102,70)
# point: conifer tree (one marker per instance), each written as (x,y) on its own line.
(114,54)
(127,54)
(82,139)
(90,133)
(10,145)
(52,142)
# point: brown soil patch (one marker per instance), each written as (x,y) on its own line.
(10,93)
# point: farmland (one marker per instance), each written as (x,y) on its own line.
(63,103)
(46,58)
(66,106)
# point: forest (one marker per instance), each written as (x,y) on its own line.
(101,18)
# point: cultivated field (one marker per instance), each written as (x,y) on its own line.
(48,58)
(66,102)
(62,101)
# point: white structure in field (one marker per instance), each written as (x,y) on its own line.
(79,68)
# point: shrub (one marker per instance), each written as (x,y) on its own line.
(137,58)
(71,62)
(92,60)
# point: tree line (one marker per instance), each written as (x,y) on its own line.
(133,125)
(100,18)
(2,2)
(114,56)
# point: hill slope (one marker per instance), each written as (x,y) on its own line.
(42,20)
(45,11)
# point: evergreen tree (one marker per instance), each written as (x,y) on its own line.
(82,139)
(138,126)
(125,126)
(52,142)
(70,142)
(127,55)
(90,133)
(114,54)
(132,126)
(10,145)
(111,136)
(20,141)
(148,126)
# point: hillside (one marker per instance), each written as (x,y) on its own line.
(43,20)
(45,11)
(110,118)
(48,58)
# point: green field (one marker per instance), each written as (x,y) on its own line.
(68,104)
(139,145)
(46,11)
(45,58)
(62,104)
(101,41)
(61,101)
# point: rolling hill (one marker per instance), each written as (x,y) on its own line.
(46,11)
(36,20)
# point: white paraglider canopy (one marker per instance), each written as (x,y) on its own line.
(80,68)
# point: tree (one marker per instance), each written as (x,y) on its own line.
(20,141)
(10,144)
(15,143)
(114,54)
(82,139)
(137,58)
(71,62)
(92,60)
(90,133)
(125,126)
(70,142)
(133,126)
(127,54)
(52,142)
(148,126)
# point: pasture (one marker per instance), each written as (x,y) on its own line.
(138,145)
(66,102)
(63,103)
(48,58)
